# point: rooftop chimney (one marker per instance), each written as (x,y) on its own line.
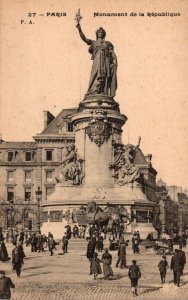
(48,117)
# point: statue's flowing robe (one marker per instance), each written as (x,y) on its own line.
(103,78)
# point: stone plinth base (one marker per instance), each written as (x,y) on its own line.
(84,194)
(70,198)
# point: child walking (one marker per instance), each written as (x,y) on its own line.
(163,265)
(134,275)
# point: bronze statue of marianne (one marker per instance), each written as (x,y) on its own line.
(103,78)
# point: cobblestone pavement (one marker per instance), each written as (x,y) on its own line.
(67,277)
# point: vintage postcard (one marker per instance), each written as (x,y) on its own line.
(93,149)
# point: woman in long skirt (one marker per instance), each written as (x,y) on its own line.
(95,267)
(107,261)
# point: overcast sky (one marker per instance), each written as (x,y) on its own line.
(46,66)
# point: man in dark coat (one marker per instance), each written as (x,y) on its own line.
(1,235)
(22,235)
(34,243)
(68,231)
(134,274)
(5,285)
(122,255)
(3,252)
(17,260)
(176,267)
(51,245)
(182,257)
(100,243)
(65,242)
(91,248)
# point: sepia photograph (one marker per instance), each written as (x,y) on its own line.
(93,149)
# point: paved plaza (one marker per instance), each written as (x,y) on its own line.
(67,277)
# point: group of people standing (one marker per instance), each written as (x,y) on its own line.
(134,272)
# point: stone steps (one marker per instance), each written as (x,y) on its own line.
(81,245)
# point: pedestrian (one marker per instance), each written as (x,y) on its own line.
(163,265)
(75,231)
(176,267)
(182,257)
(22,236)
(135,244)
(138,236)
(65,242)
(15,236)
(121,230)
(111,240)
(134,275)
(107,262)
(40,247)
(51,245)
(81,232)
(3,252)
(100,243)
(26,239)
(122,255)
(34,242)
(1,235)
(91,248)
(17,260)
(95,267)
(5,286)
(68,231)
(21,250)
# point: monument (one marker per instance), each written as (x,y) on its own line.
(98,179)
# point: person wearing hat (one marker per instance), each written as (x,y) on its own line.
(163,266)
(134,274)
(17,260)
(5,286)
(91,248)
(122,254)
(182,257)
(107,261)
(175,266)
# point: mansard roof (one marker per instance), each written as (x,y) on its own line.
(18,145)
(141,160)
(58,122)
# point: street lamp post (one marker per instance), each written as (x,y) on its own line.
(24,211)
(163,196)
(11,221)
(38,196)
(180,221)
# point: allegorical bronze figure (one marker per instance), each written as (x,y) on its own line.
(103,78)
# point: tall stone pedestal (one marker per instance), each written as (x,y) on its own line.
(97,126)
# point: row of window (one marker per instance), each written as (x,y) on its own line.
(12,155)
(29,155)
(28,195)
(28,176)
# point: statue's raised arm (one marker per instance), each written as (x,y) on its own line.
(103,78)
(83,37)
